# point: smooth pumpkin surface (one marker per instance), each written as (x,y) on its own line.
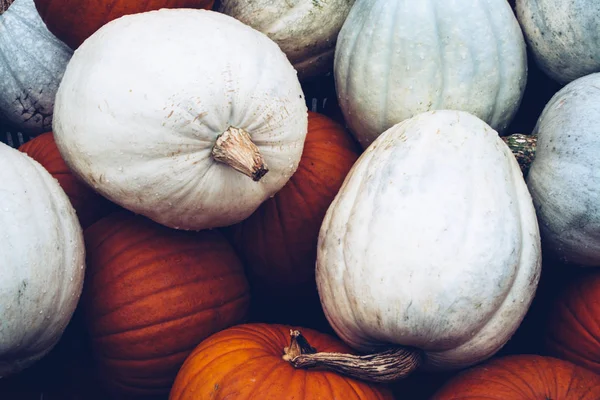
(245,362)
(523,377)
(88,204)
(73,21)
(152,294)
(574,323)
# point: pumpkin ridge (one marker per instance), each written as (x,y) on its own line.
(269,371)
(441,60)
(388,64)
(582,327)
(130,360)
(519,378)
(350,61)
(590,315)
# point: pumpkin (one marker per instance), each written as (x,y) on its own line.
(74,21)
(32,63)
(395,59)
(429,255)
(572,328)
(306,30)
(152,294)
(89,206)
(523,377)
(279,241)
(192,134)
(562,36)
(42,261)
(248,362)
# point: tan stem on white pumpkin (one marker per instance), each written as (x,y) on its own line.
(523,147)
(4,4)
(235,148)
(387,366)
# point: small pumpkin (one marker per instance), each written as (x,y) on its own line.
(306,30)
(152,294)
(395,59)
(191,144)
(88,204)
(248,362)
(32,63)
(74,21)
(42,261)
(523,377)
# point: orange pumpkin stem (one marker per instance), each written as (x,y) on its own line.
(235,148)
(523,147)
(4,4)
(387,366)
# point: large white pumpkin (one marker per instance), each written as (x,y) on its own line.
(32,62)
(41,261)
(395,59)
(432,243)
(151,101)
(306,30)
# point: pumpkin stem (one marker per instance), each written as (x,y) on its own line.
(235,148)
(4,4)
(387,366)
(523,147)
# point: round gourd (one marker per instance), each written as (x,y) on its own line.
(562,36)
(245,362)
(152,294)
(395,59)
(430,249)
(32,63)
(306,30)
(523,377)
(42,261)
(191,133)
(89,205)
(73,21)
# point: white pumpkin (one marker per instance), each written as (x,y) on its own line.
(32,62)
(564,177)
(166,112)
(563,36)
(395,59)
(431,244)
(306,30)
(41,261)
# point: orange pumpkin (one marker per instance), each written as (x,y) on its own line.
(278,242)
(245,362)
(523,377)
(574,324)
(73,21)
(90,206)
(152,294)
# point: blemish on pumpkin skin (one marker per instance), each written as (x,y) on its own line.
(21,291)
(171,113)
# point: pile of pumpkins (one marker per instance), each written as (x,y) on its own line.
(181,219)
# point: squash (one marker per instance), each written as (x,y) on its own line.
(523,377)
(572,328)
(306,30)
(245,362)
(32,63)
(562,36)
(430,249)
(42,261)
(89,205)
(278,243)
(192,134)
(152,294)
(73,21)
(395,59)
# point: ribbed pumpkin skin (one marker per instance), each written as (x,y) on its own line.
(152,294)
(574,326)
(523,377)
(245,363)
(88,204)
(73,21)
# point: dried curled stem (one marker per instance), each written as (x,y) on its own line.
(4,4)
(524,148)
(387,366)
(235,148)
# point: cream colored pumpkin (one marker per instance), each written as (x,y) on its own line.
(306,30)
(151,101)
(395,59)
(431,243)
(41,261)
